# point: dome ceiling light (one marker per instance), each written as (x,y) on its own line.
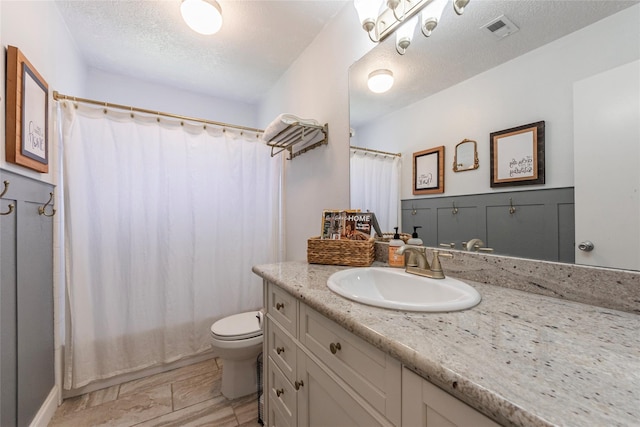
(202,16)
(380,81)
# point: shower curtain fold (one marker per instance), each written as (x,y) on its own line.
(163,223)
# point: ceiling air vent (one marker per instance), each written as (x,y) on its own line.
(501,27)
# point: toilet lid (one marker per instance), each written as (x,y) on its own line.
(237,326)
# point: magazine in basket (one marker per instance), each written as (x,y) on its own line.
(348,224)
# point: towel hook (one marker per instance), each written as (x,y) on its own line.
(512,209)
(6,188)
(413,210)
(4,191)
(41,209)
(455,209)
(11,206)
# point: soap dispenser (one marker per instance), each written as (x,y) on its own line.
(415,240)
(395,260)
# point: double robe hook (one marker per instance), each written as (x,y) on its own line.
(41,209)
(11,206)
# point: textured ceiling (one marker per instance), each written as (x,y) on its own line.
(148,39)
(260,39)
(459,49)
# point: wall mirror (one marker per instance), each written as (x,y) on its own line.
(458,52)
(465,157)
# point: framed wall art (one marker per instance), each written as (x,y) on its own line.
(27,114)
(428,171)
(517,156)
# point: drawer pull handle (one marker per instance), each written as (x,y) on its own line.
(279,350)
(298,384)
(279,392)
(279,306)
(335,347)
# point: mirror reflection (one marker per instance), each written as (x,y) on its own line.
(464,83)
(466,156)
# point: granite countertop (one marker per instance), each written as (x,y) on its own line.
(518,357)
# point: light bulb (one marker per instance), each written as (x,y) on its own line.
(404,35)
(431,15)
(459,5)
(368,11)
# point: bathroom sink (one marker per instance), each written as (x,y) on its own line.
(397,289)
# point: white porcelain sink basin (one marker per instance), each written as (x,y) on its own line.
(397,289)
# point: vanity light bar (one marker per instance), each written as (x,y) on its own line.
(387,22)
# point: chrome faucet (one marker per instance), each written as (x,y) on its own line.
(475,245)
(423,268)
(417,254)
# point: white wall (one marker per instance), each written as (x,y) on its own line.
(316,87)
(125,90)
(533,87)
(37,29)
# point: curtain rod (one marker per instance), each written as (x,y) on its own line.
(353,147)
(58,96)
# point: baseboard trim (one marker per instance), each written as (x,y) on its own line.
(47,410)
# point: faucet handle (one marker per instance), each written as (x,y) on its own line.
(436,267)
(449,245)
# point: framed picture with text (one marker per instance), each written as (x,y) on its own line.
(517,155)
(27,114)
(428,171)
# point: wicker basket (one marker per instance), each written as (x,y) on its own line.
(354,253)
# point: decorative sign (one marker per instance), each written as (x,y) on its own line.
(428,171)
(34,117)
(517,156)
(27,114)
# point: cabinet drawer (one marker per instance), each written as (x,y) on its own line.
(281,348)
(372,373)
(282,395)
(283,308)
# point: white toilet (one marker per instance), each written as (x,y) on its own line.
(237,340)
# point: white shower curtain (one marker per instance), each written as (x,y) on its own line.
(375,186)
(163,222)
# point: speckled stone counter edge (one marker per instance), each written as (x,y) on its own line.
(602,287)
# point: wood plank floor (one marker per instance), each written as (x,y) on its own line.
(188,396)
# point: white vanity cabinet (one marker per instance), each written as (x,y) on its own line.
(424,404)
(319,374)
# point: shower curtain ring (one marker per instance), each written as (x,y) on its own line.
(41,209)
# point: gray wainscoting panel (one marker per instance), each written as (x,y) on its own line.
(26,300)
(537,224)
(8,305)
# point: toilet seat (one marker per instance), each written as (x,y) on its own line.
(237,327)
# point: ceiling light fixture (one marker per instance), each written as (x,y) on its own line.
(202,16)
(380,81)
(380,18)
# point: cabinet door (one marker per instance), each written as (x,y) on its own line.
(424,404)
(322,402)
